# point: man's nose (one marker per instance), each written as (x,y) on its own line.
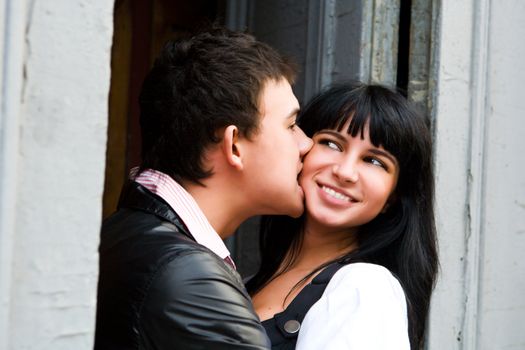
(305,143)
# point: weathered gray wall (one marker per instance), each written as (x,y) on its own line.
(478,304)
(331,40)
(283,24)
(502,310)
(53,129)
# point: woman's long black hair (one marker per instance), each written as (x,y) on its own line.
(403,239)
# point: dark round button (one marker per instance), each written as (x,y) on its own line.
(292,326)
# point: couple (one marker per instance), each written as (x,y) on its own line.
(220,144)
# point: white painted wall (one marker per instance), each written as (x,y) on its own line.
(452,142)
(57,102)
(502,308)
(480,139)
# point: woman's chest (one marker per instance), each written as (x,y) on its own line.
(279,293)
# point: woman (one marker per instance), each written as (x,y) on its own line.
(361,262)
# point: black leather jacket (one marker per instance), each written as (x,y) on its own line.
(159,289)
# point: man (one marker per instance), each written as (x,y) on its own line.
(219,145)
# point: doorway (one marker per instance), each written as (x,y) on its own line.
(140,30)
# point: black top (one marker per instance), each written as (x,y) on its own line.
(283,328)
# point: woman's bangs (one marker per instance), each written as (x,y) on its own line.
(363,117)
(359,116)
(328,116)
(380,132)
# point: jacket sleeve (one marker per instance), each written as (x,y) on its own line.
(195,302)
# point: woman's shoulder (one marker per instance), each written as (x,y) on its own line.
(371,279)
(363,307)
(365,268)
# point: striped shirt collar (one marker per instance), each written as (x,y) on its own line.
(185,206)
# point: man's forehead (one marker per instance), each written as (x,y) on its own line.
(277,96)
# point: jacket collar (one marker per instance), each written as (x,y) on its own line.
(136,196)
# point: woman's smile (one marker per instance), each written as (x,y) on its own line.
(336,196)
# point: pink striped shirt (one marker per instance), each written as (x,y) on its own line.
(185,206)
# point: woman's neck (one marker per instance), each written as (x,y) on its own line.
(321,244)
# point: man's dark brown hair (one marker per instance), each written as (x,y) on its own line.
(198,86)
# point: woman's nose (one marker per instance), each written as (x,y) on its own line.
(346,171)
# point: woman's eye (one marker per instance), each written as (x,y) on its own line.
(292,126)
(376,162)
(333,145)
(330,144)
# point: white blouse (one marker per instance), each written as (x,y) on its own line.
(362,308)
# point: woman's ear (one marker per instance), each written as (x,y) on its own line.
(231,147)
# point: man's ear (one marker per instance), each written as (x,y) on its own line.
(231,147)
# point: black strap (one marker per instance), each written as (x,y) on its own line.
(284,327)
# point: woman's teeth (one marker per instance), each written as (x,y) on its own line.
(335,194)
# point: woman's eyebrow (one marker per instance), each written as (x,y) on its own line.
(333,133)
